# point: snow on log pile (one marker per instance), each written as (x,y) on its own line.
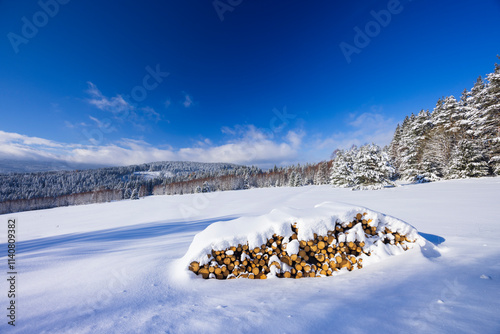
(292,243)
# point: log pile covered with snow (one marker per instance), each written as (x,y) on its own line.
(291,243)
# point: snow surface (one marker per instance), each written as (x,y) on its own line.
(154,175)
(111,267)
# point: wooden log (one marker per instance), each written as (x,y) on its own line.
(359,216)
(321,245)
(302,243)
(194,267)
(298,267)
(320,257)
(204,272)
(293,257)
(287,274)
(255,271)
(302,253)
(286,259)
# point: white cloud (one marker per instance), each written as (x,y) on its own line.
(242,145)
(295,137)
(115,105)
(251,146)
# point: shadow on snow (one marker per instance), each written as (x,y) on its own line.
(134,232)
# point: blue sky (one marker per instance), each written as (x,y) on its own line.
(250,82)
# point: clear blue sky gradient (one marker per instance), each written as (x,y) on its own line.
(263,55)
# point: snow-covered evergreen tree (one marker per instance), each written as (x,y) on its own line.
(341,174)
(467,161)
(367,166)
(490,121)
(321,176)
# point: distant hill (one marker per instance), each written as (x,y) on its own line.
(44,189)
(31,166)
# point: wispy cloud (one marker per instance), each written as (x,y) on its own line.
(151,114)
(188,100)
(115,104)
(167,103)
(361,128)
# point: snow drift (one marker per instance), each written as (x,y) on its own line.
(287,242)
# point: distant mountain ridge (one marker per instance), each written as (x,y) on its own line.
(33,166)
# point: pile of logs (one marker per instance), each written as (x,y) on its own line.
(321,256)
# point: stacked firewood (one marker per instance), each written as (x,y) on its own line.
(321,256)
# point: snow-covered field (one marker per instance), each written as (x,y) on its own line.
(111,268)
